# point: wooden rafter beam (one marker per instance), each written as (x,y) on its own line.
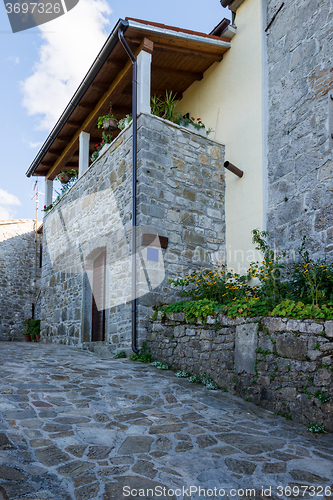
(84,106)
(193,75)
(65,138)
(114,64)
(71,164)
(73,123)
(46,163)
(135,41)
(55,152)
(188,52)
(122,110)
(100,86)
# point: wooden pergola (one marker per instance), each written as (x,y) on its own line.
(179,58)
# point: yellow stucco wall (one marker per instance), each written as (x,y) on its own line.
(229,100)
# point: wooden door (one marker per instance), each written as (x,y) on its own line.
(98,300)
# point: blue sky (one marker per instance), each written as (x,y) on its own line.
(42,67)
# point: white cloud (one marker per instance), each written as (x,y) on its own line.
(7,200)
(70,45)
(14,59)
(34,145)
(5,214)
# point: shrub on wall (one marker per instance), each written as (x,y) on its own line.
(304,291)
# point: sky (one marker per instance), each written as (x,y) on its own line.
(42,67)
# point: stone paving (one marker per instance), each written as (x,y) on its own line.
(77,426)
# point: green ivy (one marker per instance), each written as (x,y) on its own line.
(194,310)
(120,354)
(199,310)
(299,310)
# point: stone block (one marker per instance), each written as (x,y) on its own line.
(326,347)
(275,324)
(187,219)
(214,214)
(189,194)
(214,152)
(322,377)
(204,160)
(292,347)
(193,238)
(313,355)
(329,328)
(310,326)
(246,339)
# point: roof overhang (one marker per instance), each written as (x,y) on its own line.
(180,57)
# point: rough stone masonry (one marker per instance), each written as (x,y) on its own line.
(300,81)
(19,275)
(180,184)
(285,365)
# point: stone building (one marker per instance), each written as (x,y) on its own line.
(87,289)
(300,125)
(180,221)
(20,273)
(264,91)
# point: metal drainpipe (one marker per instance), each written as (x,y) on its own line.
(134,161)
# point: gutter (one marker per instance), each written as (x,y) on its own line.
(87,81)
(178,34)
(134,165)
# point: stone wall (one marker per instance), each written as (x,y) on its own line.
(180,196)
(300,67)
(277,363)
(87,221)
(19,275)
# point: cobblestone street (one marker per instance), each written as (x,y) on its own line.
(77,426)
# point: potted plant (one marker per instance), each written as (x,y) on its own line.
(47,208)
(108,122)
(165,107)
(31,329)
(107,139)
(194,124)
(124,122)
(66,175)
(27,337)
